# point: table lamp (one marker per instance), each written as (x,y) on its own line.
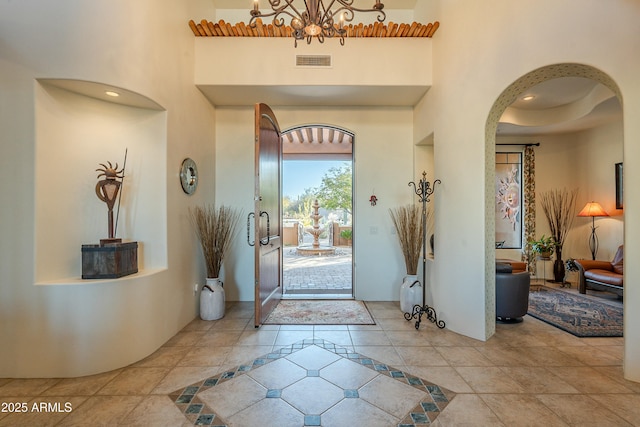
(593,209)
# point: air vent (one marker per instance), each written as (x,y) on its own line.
(313,60)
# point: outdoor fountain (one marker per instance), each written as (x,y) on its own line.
(315,231)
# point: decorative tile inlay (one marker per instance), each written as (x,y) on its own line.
(271,394)
(312,420)
(196,411)
(351,394)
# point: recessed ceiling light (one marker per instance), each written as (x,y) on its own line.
(528,97)
(111,93)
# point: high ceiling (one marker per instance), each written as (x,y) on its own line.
(561,105)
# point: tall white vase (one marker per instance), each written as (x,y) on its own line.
(212,300)
(410,293)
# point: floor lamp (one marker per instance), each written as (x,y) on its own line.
(593,209)
(423,190)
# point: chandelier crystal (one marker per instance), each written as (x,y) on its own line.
(316,20)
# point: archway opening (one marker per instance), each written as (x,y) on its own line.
(566,158)
(317,206)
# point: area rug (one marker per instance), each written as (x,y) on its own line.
(576,314)
(320,312)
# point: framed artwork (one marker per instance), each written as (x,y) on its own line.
(509,200)
(619,190)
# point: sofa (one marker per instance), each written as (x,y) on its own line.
(602,275)
(512,293)
(516,266)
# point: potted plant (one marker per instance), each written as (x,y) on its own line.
(544,246)
(347,234)
(409,226)
(215,229)
(570,265)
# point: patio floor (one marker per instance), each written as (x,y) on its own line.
(325,276)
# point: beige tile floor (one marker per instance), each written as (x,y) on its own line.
(526,374)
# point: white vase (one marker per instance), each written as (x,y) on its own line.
(212,300)
(410,293)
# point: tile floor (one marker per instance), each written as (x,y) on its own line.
(526,374)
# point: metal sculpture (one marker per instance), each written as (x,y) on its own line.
(108,190)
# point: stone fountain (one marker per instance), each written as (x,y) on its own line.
(315,231)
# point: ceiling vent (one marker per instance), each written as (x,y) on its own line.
(313,60)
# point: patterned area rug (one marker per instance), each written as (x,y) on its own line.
(320,312)
(576,314)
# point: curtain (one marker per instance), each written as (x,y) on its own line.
(529,206)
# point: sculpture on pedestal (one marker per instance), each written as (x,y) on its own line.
(107,190)
(111,258)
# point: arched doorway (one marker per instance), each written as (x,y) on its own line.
(318,237)
(502,103)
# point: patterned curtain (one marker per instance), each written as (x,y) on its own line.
(529,206)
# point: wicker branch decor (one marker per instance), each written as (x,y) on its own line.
(215,229)
(408,222)
(559,206)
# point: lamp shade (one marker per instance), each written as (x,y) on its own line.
(593,209)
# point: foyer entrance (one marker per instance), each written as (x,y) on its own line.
(317,212)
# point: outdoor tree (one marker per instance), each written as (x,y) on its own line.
(335,190)
(301,207)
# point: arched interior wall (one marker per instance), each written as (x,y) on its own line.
(506,98)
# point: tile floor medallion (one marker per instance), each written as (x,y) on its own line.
(312,383)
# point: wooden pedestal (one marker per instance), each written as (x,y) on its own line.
(109,260)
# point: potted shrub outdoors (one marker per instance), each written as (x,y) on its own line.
(215,228)
(544,247)
(408,223)
(347,235)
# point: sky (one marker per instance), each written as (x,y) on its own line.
(297,175)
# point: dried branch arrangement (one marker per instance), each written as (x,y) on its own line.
(224,29)
(408,222)
(559,207)
(215,229)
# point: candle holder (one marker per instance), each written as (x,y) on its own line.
(423,190)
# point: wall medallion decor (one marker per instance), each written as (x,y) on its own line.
(189,176)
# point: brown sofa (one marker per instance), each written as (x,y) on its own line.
(602,275)
(516,266)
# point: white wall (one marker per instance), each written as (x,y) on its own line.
(479,50)
(96,326)
(383,163)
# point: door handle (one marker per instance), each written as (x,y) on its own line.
(249,229)
(264,242)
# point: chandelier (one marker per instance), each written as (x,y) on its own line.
(315,20)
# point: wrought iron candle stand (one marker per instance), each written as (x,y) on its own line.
(423,190)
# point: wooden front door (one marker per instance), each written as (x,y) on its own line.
(268,239)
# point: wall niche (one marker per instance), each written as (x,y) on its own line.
(75,131)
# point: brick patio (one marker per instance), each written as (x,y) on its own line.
(317,275)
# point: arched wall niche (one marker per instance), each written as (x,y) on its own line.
(504,100)
(76,131)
